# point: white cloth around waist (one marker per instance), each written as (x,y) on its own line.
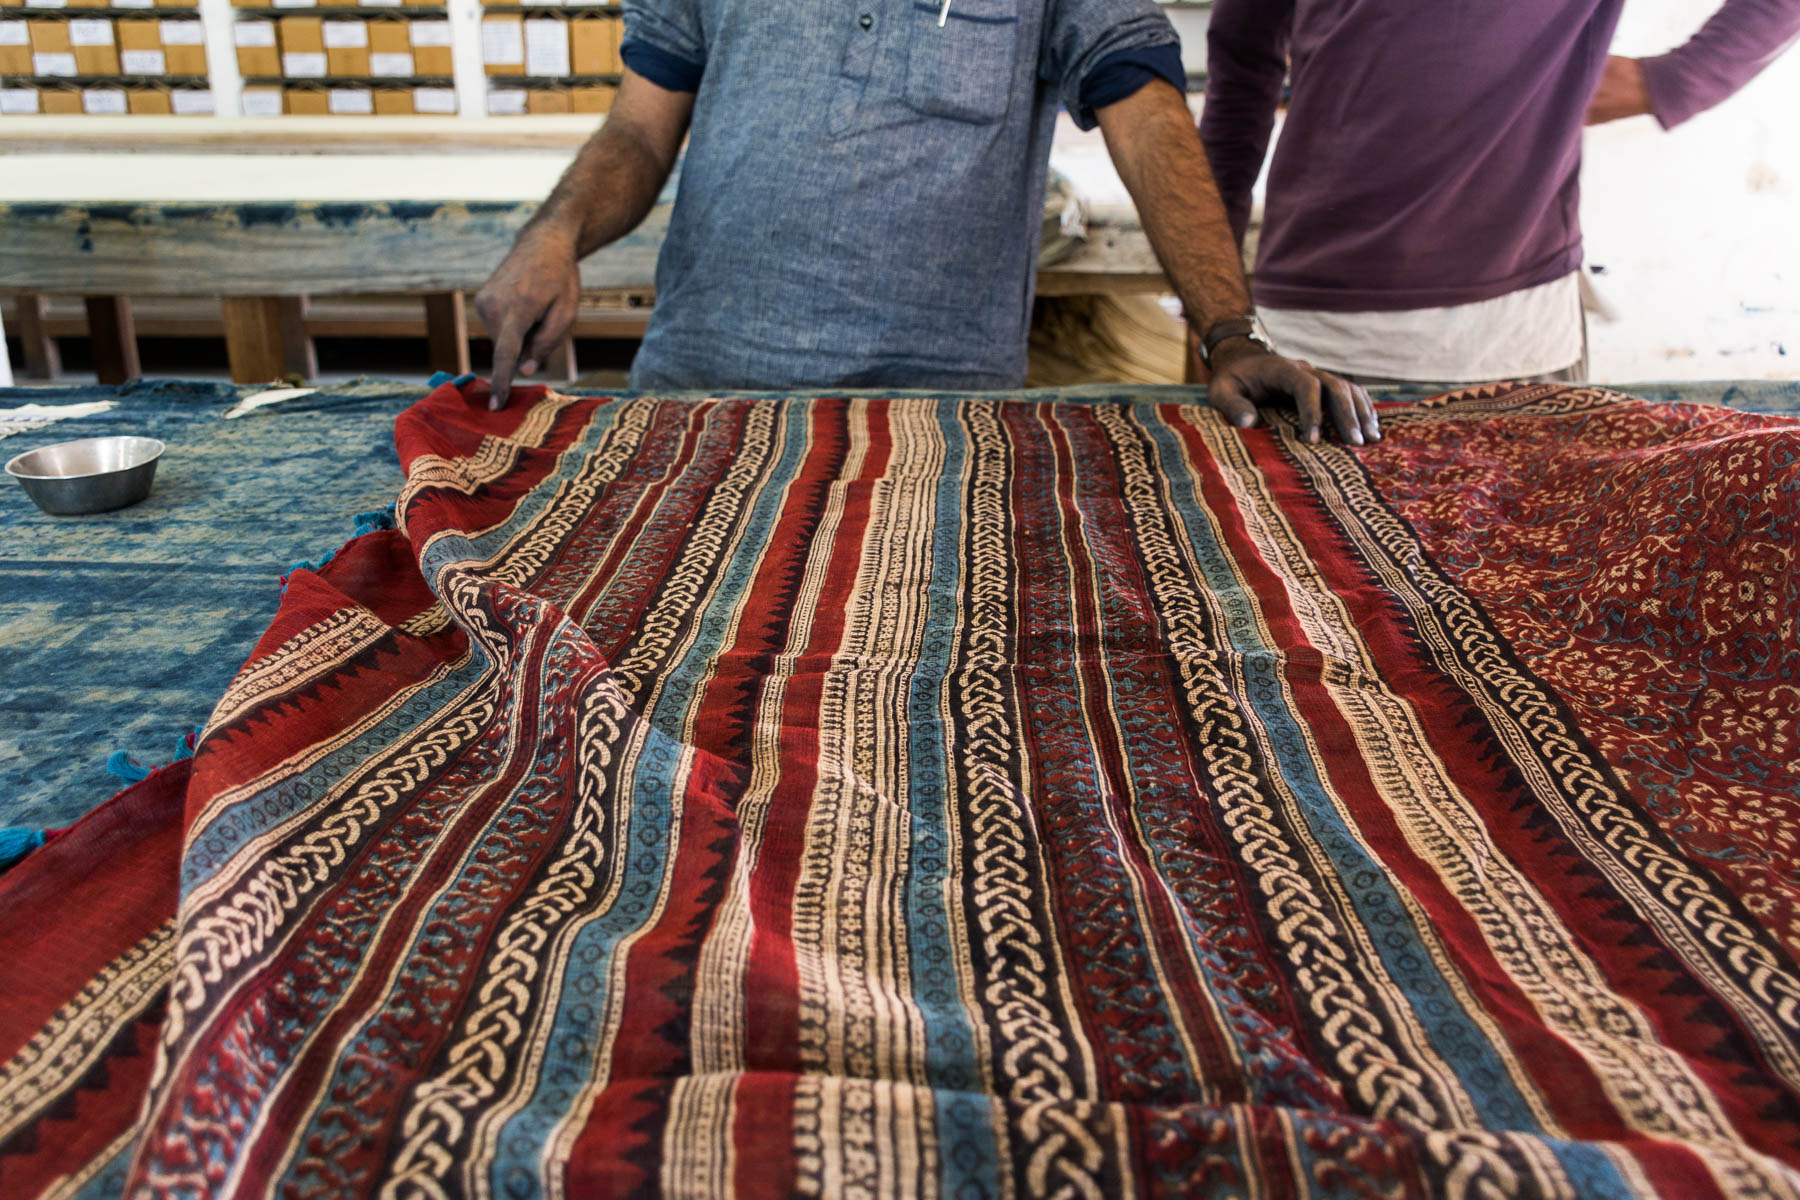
(1533,331)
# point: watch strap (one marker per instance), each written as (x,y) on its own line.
(1221,330)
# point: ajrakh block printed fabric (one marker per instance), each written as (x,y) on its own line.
(962,796)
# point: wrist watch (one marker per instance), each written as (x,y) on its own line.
(1244,327)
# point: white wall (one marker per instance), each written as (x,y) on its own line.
(1698,229)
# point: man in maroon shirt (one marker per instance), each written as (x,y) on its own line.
(1422,217)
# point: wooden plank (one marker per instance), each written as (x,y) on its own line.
(298,355)
(293,135)
(1116,259)
(562,366)
(319,248)
(114,339)
(604,314)
(447,332)
(42,359)
(313,248)
(253,341)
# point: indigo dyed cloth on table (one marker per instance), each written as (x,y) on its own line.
(946,795)
(118,631)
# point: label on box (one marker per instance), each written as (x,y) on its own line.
(14,33)
(347,102)
(103,102)
(192,102)
(295,4)
(346,35)
(57,63)
(90,32)
(246,33)
(546,48)
(390,64)
(189,33)
(262,102)
(502,43)
(506,102)
(383,3)
(18,101)
(134,3)
(307,64)
(45,3)
(434,100)
(143,62)
(429,33)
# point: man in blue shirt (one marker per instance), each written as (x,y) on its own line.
(860,199)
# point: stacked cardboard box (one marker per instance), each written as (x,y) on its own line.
(535,96)
(290,4)
(342,99)
(50,96)
(545,45)
(309,47)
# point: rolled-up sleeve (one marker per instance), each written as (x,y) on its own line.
(1081,36)
(1731,49)
(665,43)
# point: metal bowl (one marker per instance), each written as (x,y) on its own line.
(89,476)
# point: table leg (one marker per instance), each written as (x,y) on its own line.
(114,337)
(447,332)
(253,341)
(562,364)
(42,360)
(299,357)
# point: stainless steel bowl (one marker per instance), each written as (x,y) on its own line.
(89,476)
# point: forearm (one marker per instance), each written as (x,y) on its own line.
(615,179)
(1159,157)
(1741,38)
(1246,63)
(605,193)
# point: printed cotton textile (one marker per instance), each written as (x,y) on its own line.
(916,795)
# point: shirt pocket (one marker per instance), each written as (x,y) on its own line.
(962,69)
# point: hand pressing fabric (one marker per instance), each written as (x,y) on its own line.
(529,304)
(1245,375)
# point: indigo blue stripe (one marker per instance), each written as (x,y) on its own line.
(969,1162)
(583,999)
(1456,1038)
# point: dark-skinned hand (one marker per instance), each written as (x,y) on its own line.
(529,305)
(1244,375)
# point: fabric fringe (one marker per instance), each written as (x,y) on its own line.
(16,844)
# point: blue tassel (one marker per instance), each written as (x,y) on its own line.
(369,522)
(305,565)
(190,741)
(440,378)
(16,841)
(126,767)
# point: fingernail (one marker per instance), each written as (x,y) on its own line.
(1246,420)
(1312,435)
(494,403)
(528,367)
(1356,439)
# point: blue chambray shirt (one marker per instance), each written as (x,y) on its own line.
(861,196)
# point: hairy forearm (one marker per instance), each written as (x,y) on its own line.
(605,193)
(1159,157)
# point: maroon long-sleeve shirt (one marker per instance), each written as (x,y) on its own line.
(1432,149)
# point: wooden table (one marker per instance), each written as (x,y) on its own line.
(264,217)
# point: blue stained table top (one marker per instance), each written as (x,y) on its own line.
(120,631)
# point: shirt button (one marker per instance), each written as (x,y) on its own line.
(865,20)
